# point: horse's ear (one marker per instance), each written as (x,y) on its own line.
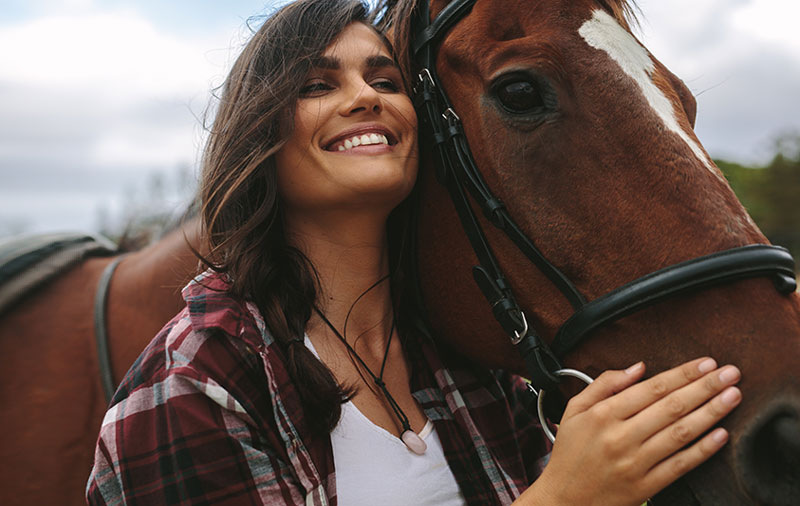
(685,95)
(687,99)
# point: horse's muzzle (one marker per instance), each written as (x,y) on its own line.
(768,457)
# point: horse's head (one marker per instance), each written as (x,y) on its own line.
(589,142)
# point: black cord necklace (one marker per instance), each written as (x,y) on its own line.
(410,438)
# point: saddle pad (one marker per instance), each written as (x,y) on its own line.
(29,261)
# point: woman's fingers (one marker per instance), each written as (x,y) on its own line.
(672,468)
(683,401)
(636,398)
(627,440)
(606,385)
(685,430)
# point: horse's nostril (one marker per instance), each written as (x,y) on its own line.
(787,435)
(771,460)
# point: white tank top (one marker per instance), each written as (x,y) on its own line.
(374,467)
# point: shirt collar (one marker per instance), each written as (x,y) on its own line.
(211,305)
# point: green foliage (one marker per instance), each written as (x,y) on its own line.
(771,193)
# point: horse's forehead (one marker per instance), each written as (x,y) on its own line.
(575,27)
(561,34)
(496,31)
(603,33)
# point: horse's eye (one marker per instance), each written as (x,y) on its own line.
(519,96)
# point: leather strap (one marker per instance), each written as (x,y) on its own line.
(432,33)
(100,328)
(487,274)
(739,263)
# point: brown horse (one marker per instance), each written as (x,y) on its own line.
(51,398)
(606,186)
(589,142)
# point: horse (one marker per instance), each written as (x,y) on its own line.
(607,188)
(584,143)
(51,395)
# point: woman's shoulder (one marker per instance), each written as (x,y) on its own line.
(198,391)
(210,304)
(214,336)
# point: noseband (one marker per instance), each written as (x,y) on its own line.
(456,169)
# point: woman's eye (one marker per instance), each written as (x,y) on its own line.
(314,88)
(519,96)
(386,84)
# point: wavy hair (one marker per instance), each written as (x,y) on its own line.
(242,212)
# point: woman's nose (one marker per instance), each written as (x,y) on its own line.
(361,97)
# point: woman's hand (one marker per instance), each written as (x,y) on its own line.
(620,442)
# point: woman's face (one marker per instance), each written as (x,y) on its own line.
(354,145)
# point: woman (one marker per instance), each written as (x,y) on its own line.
(297,374)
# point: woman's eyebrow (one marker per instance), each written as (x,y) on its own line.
(326,63)
(333,63)
(380,61)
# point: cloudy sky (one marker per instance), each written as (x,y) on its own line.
(101,101)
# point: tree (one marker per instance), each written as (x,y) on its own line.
(771,193)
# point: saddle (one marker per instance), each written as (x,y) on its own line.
(28,262)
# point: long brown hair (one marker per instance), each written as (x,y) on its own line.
(241,208)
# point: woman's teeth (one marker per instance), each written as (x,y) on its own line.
(363,140)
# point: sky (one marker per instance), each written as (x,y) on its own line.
(102,101)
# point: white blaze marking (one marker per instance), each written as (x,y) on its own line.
(603,32)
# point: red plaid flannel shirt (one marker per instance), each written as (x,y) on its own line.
(208,415)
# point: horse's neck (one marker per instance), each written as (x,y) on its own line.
(164,266)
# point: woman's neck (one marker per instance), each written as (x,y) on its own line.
(350,259)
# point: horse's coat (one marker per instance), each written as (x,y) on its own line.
(604,33)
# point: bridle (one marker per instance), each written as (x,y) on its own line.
(456,169)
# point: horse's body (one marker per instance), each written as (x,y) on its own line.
(608,179)
(51,398)
(605,185)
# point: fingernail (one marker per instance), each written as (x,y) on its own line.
(634,368)
(731,396)
(729,375)
(719,436)
(707,365)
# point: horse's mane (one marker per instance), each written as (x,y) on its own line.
(624,11)
(394,18)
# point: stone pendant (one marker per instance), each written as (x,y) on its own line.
(413,442)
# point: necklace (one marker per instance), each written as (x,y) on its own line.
(410,438)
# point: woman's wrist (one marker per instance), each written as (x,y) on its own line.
(540,493)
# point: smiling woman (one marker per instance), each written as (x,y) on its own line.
(307,171)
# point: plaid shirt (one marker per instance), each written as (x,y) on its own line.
(209,415)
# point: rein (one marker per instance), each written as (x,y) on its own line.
(456,169)
(101,328)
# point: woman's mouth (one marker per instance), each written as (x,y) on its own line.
(359,140)
(373,139)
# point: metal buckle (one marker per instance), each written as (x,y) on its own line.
(450,114)
(517,334)
(532,389)
(424,75)
(540,401)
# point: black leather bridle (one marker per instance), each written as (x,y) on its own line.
(456,169)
